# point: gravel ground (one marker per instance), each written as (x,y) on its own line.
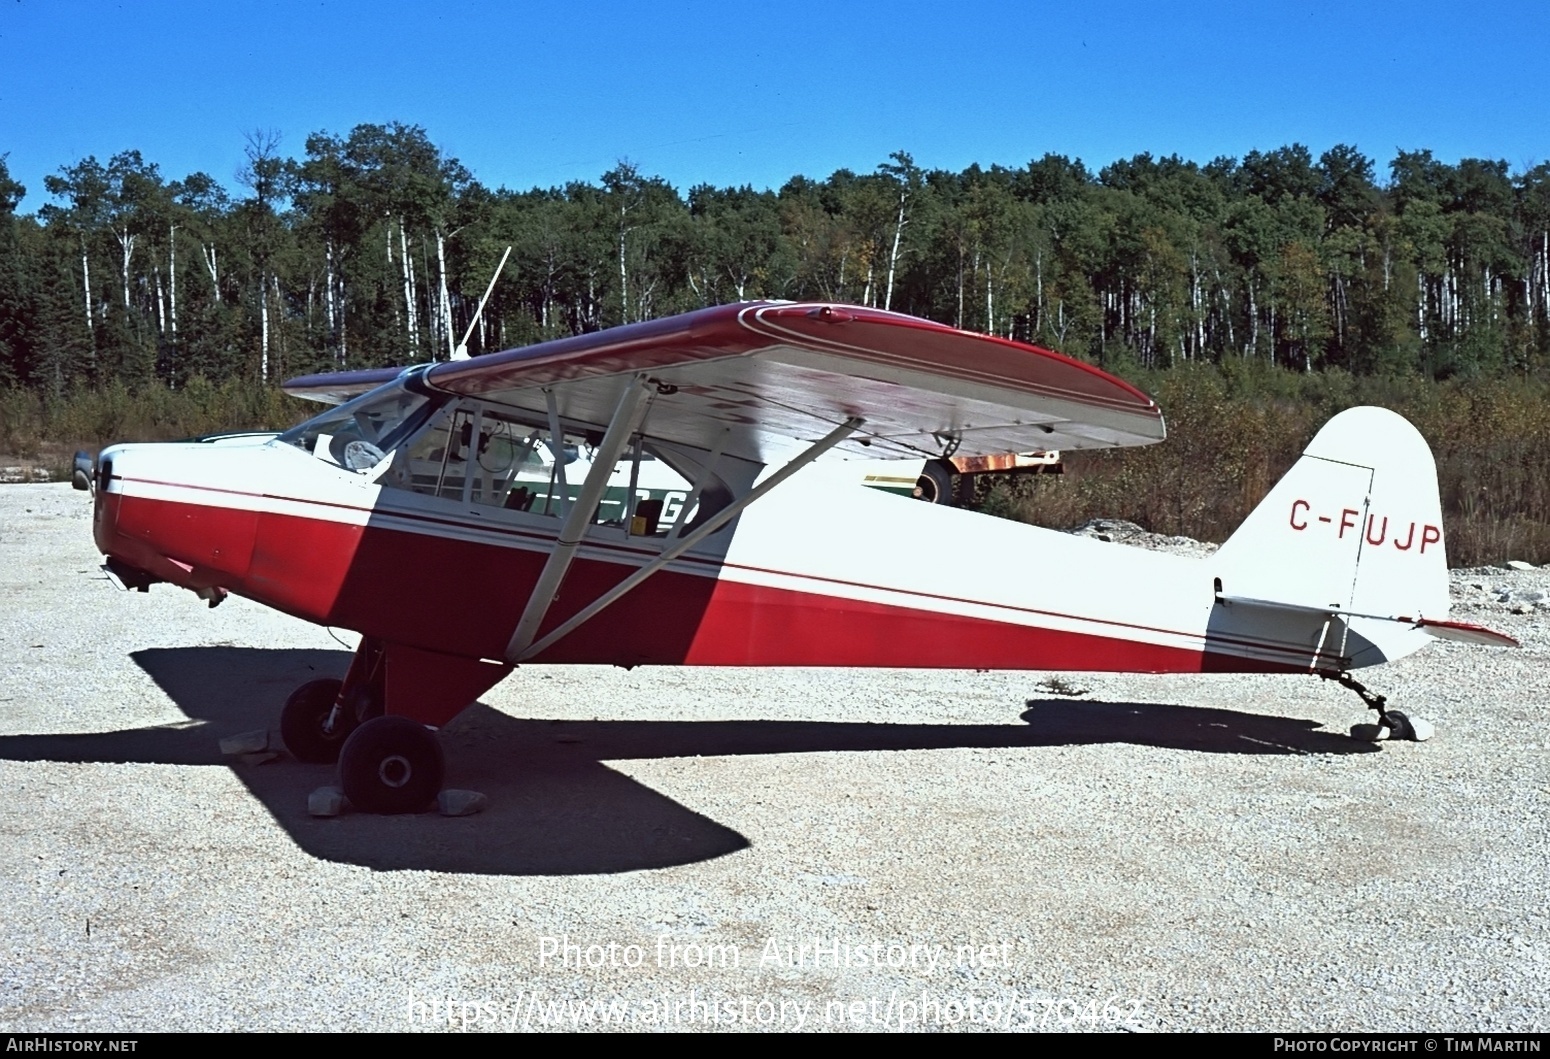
(812,849)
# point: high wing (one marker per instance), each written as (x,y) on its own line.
(763,380)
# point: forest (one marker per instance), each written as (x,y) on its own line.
(133,303)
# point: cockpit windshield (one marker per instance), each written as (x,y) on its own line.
(360,433)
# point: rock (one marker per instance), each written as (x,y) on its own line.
(260,757)
(1369,733)
(1421,730)
(1063,688)
(1523,608)
(1108,528)
(246,743)
(1518,564)
(1118,531)
(327,801)
(460,803)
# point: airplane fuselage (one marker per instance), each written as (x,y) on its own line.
(821,572)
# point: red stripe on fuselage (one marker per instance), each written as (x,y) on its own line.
(464,597)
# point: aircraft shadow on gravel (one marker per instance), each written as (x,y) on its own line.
(555,807)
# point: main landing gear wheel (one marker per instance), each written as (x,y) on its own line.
(935,485)
(391,765)
(304,723)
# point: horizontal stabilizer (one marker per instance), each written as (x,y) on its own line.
(1461,631)
(1464,632)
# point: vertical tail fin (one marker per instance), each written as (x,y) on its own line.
(1355,525)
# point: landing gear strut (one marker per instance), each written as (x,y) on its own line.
(312,729)
(1392,724)
(320,715)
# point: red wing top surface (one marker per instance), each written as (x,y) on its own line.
(761,380)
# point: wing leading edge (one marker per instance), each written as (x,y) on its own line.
(762,380)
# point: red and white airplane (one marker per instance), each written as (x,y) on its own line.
(430,511)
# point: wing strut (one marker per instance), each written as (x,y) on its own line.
(557,447)
(522,653)
(626,418)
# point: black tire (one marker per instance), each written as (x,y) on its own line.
(1399,725)
(302,719)
(391,765)
(936,484)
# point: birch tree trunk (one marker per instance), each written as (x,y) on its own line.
(91,327)
(990,297)
(328,299)
(207,251)
(432,314)
(127,243)
(1542,264)
(1226,309)
(1272,325)
(344,331)
(398,321)
(263,328)
(893,256)
(446,301)
(279,308)
(1038,288)
(1253,323)
(172,277)
(1196,302)
(411,318)
(161,305)
(624,286)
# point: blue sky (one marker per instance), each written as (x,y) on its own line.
(752,93)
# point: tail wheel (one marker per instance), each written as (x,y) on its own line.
(935,485)
(304,718)
(391,765)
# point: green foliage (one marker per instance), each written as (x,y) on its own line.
(375,247)
(32,424)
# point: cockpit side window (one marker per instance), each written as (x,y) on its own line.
(471,452)
(360,433)
(482,454)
